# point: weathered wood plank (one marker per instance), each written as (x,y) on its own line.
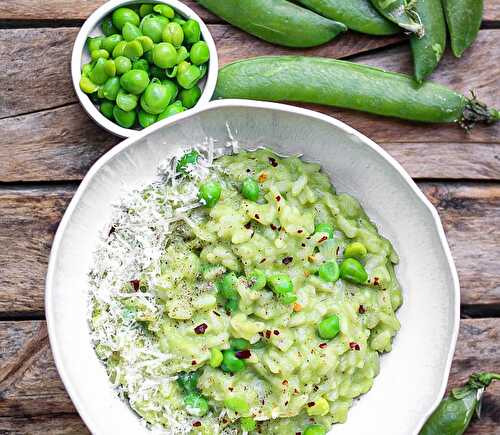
(29,218)
(54,424)
(40,59)
(32,391)
(65,10)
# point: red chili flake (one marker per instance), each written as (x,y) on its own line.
(354,346)
(376,280)
(323,345)
(276,332)
(268,334)
(243,354)
(278,198)
(285,382)
(248,225)
(135,283)
(262,261)
(361,310)
(287,260)
(323,239)
(257,216)
(311,404)
(273,162)
(193,363)
(298,433)
(274,227)
(197,423)
(200,329)
(224,421)
(300,231)
(216,313)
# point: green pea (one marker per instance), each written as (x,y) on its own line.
(192,31)
(228,285)
(324,228)
(231,363)
(355,250)
(171,110)
(280,283)
(122,65)
(110,88)
(172,87)
(288,298)
(121,16)
(109,43)
(216,358)
(164,10)
(106,109)
(110,68)
(199,53)
(96,54)
(196,404)
(152,26)
(87,85)
(86,69)
(124,119)
(189,158)
(210,193)
(315,429)
(174,34)
(98,74)
(135,81)
(232,305)
(164,55)
(94,43)
(250,188)
(130,32)
(133,50)
(352,270)
(179,20)
(145,9)
(141,64)
(119,48)
(239,344)
(126,102)
(188,381)
(329,271)
(146,119)
(237,404)
(190,97)
(107,27)
(146,42)
(257,279)
(248,424)
(155,98)
(329,328)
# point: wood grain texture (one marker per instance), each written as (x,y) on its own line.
(28,219)
(32,390)
(53,424)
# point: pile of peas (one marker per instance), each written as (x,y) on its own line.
(147,65)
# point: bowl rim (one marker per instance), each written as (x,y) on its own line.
(79,45)
(101,162)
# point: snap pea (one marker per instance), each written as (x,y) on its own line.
(454,413)
(428,50)
(464,19)
(402,13)
(277,21)
(350,85)
(359,15)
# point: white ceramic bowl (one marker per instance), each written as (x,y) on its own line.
(91,27)
(413,376)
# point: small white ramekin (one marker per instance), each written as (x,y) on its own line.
(91,27)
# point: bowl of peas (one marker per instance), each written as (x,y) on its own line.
(135,63)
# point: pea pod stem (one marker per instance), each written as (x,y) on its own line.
(401,12)
(348,85)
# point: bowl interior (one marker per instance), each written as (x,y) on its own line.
(412,376)
(92,28)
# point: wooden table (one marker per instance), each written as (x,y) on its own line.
(47,143)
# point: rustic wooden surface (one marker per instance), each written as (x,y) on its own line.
(47,144)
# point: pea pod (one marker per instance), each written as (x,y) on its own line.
(277,21)
(428,50)
(454,413)
(359,15)
(402,13)
(463,18)
(350,85)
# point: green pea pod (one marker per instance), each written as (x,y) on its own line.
(428,50)
(350,85)
(463,18)
(277,21)
(359,15)
(402,13)
(454,413)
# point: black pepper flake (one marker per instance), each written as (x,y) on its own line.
(285,382)
(135,284)
(262,261)
(376,280)
(197,424)
(261,334)
(111,230)
(354,346)
(315,388)
(231,389)
(243,354)
(298,433)
(276,332)
(286,403)
(337,251)
(323,345)
(216,313)
(278,198)
(274,227)
(253,234)
(248,225)
(268,334)
(257,216)
(287,260)
(248,170)
(200,329)
(361,310)
(303,245)
(193,363)
(311,404)
(300,231)
(263,401)
(273,162)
